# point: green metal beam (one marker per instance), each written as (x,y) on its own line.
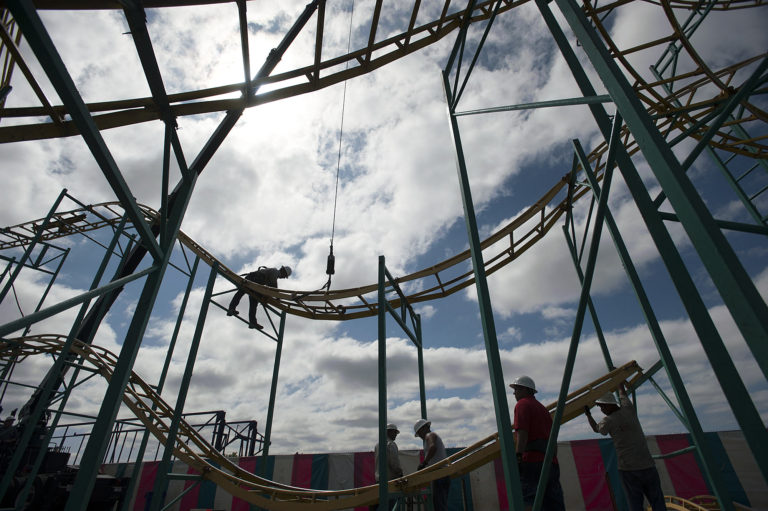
(539,104)
(589,271)
(20,323)
(498,389)
(161,480)
(382,383)
(737,289)
(273,394)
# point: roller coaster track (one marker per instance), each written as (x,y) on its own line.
(699,90)
(192,449)
(698,503)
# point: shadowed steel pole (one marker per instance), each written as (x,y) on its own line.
(506,440)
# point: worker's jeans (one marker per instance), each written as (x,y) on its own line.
(643,482)
(553,493)
(440,489)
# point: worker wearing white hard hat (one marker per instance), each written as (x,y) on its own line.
(532,424)
(264,276)
(434,452)
(394,470)
(636,466)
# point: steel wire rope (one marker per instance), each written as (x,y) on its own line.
(331,259)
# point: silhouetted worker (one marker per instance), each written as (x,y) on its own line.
(434,451)
(394,470)
(532,427)
(265,276)
(636,467)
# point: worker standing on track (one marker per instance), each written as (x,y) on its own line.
(636,466)
(265,276)
(394,470)
(532,427)
(434,451)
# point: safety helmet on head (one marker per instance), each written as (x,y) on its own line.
(420,424)
(607,399)
(286,270)
(524,381)
(391,426)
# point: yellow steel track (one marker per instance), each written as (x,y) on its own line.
(192,449)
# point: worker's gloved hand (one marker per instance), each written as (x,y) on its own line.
(421,465)
(586,410)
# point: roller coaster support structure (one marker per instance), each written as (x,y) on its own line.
(272,395)
(498,388)
(161,481)
(403,317)
(688,416)
(708,240)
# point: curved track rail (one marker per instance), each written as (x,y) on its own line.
(434,282)
(699,90)
(191,448)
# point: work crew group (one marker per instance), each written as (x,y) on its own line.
(532,424)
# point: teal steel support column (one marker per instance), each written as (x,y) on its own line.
(743,408)
(506,440)
(32,245)
(382,315)
(597,230)
(420,361)
(160,385)
(688,416)
(161,480)
(592,311)
(29,319)
(53,278)
(273,395)
(739,294)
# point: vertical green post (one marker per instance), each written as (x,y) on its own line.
(597,230)
(382,315)
(506,440)
(272,395)
(160,385)
(161,480)
(420,358)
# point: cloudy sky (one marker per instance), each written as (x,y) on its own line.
(267,197)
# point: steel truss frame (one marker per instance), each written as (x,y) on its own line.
(736,287)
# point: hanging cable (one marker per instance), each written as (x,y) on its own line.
(330,267)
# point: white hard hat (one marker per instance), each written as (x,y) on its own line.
(287,270)
(420,424)
(524,381)
(392,426)
(607,399)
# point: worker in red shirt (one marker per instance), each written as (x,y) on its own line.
(532,426)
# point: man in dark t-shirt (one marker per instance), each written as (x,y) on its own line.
(265,276)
